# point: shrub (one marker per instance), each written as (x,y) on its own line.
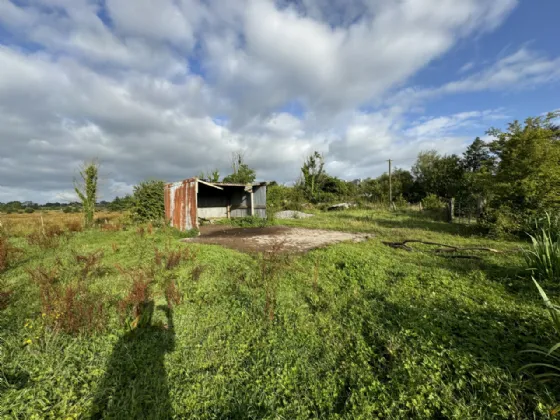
(182,234)
(400,203)
(432,202)
(248,221)
(30,210)
(548,221)
(543,259)
(549,368)
(148,202)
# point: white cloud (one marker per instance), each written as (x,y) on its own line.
(168,88)
(520,70)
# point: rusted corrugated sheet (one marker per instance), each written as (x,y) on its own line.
(181,204)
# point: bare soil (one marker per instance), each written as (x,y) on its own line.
(278,238)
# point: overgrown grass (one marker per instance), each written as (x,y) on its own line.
(355,330)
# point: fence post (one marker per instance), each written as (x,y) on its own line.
(450,209)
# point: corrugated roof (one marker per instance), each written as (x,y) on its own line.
(230,184)
(221,184)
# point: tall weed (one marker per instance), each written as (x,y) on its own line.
(543,259)
(134,308)
(548,369)
(72,308)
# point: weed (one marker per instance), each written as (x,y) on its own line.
(150,228)
(7,253)
(5,298)
(47,238)
(172,293)
(71,308)
(140,231)
(133,306)
(90,262)
(271,263)
(196,273)
(173,259)
(115,247)
(248,221)
(548,367)
(181,234)
(543,259)
(74,226)
(158,257)
(111,227)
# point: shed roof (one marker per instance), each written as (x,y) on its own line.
(223,184)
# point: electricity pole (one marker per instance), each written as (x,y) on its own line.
(390,185)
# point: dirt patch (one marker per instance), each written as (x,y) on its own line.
(278,237)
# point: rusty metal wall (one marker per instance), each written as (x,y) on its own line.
(181,204)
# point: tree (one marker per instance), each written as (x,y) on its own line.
(148,202)
(527,178)
(213,176)
(313,174)
(440,175)
(242,173)
(477,156)
(401,183)
(86,189)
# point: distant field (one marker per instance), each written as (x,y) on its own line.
(354,330)
(19,224)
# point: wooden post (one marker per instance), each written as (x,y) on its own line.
(390,185)
(450,209)
(252,203)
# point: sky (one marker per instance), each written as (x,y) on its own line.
(165,89)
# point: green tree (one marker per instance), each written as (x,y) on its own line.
(478,156)
(242,173)
(86,189)
(213,176)
(527,178)
(148,202)
(401,183)
(440,175)
(313,175)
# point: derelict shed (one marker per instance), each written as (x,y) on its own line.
(192,199)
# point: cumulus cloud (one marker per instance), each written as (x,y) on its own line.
(168,88)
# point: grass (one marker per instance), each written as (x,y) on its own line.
(355,330)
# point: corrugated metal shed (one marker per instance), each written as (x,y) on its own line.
(191,199)
(181,204)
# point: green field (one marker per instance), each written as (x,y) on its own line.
(355,330)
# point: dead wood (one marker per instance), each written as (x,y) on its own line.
(445,248)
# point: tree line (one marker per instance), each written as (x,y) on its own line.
(502,183)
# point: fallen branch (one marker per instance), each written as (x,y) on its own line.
(446,248)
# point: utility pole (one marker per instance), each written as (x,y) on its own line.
(390,185)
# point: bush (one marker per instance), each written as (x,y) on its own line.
(432,202)
(550,222)
(182,234)
(280,197)
(29,210)
(543,259)
(248,221)
(148,202)
(549,367)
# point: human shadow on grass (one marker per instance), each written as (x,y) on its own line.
(135,383)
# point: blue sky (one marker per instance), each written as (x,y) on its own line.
(168,88)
